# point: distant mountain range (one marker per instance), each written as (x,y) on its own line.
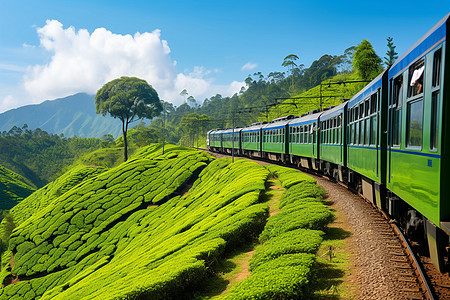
(72,116)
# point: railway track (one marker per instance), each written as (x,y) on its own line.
(414,280)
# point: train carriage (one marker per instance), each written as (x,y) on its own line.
(214,140)
(303,146)
(366,143)
(251,139)
(417,167)
(274,139)
(332,137)
(231,139)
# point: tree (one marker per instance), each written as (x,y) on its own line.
(391,54)
(366,62)
(289,62)
(193,125)
(184,93)
(129,99)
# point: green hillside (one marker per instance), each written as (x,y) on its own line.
(13,188)
(150,228)
(331,91)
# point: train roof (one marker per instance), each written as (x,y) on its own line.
(279,122)
(334,111)
(254,127)
(367,90)
(230,130)
(425,44)
(305,119)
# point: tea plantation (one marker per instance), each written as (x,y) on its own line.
(154,227)
(13,188)
(282,265)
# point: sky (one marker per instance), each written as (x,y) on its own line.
(53,49)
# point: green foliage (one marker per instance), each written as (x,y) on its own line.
(293,216)
(13,188)
(294,241)
(366,62)
(103,238)
(281,267)
(29,154)
(391,54)
(128,98)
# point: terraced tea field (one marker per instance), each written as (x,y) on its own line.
(155,226)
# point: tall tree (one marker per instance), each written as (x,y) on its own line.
(391,54)
(129,99)
(366,62)
(184,93)
(289,62)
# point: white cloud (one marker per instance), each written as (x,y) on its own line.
(13,68)
(249,66)
(83,62)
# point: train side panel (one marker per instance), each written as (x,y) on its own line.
(415,120)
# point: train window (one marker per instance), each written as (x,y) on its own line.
(396,127)
(373,104)
(356,113)
(415,83)
(437,68)
(300,134)
(398,91)
(434,136)
(308,135)
(366,131)
(373,130)
(414,123)
(367,107)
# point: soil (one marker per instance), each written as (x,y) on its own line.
(372,273)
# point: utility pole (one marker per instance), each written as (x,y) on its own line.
(164,124)
(232,148)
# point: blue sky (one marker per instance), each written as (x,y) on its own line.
(199,45)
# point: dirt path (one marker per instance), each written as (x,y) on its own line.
(241,260)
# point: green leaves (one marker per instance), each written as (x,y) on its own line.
(126,98)
(108,224)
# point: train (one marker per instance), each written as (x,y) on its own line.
(391,141)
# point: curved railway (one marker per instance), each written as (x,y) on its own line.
(390,142)
(407,277)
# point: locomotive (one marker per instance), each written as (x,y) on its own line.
(391,141)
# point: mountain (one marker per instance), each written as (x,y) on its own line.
(72,116)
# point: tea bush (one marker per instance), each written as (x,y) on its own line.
(282,265)
(105,238)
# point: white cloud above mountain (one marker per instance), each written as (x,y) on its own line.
(82,62)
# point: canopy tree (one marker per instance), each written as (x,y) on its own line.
(129,99)
(366,62)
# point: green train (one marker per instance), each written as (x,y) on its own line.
(391,141)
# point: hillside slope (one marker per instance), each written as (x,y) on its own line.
(72,116)
(133,231)
(331,93)
(13,188)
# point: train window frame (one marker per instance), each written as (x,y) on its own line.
(434,126)
(416,78)
(367,107)
(409,108)
(437,67)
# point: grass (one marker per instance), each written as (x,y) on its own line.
(333,264)
(234,267)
